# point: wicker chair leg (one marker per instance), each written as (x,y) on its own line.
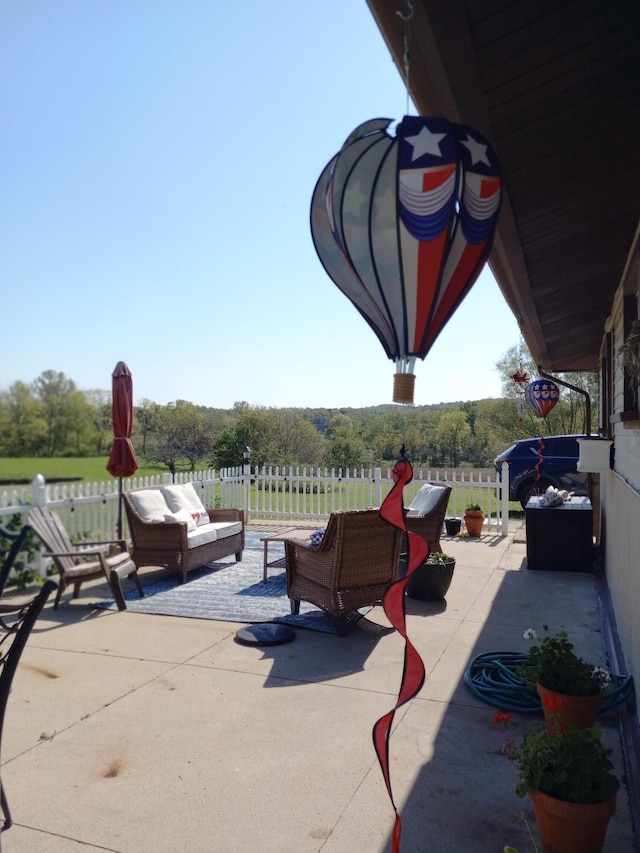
(295,606)
(134,576)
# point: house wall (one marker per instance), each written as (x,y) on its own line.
(620,487)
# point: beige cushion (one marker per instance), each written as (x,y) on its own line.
(149,504)
(212,532)
(227,528)
(182,515)
(202,536)
(185,497)
(426,500)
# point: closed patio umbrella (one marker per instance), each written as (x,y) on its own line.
(122,461)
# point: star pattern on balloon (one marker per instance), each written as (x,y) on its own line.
(425,142)
(477,150)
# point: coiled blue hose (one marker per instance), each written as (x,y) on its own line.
(491,677)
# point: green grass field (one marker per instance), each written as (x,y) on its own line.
(92,469)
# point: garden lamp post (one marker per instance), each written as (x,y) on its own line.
(246,479)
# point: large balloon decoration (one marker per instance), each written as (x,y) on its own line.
(542,395)
(403,225)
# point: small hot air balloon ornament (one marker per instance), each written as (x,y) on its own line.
(542,395)
(404,225)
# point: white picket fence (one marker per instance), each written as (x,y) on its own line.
(91,510)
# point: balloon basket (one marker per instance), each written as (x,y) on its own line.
(403,384)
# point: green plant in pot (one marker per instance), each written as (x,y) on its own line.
(569,777)
(431,580)
(553,667)
(474,519)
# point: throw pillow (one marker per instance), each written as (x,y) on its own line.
(182,515)
(316,538)
(149,504)
(426,499)
(185,497)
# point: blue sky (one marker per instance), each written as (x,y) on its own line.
(157,162)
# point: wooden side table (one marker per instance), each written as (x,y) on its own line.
(282,536)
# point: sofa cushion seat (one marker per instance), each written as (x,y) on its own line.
(226,528)
(212,532)
(202,535)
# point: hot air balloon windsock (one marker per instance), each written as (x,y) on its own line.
(404,225)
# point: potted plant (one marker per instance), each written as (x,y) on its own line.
(431,580)
(553,668)
(568,775)
(474,519)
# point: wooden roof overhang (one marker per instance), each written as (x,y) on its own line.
(555,86)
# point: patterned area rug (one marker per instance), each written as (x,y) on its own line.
(230,592)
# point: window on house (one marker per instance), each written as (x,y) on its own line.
(631,354)
(606,387)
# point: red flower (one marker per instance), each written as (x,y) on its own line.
(501,718)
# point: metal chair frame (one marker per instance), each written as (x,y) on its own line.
(12,643)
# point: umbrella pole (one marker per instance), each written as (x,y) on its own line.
(120,509)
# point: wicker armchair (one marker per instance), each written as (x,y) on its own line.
(352,567)
(430,525)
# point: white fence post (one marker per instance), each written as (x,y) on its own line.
(377,486)
(39,498)
(39,493)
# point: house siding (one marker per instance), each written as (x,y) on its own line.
(620,487)
(621,521)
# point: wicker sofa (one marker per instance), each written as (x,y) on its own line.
(170,527)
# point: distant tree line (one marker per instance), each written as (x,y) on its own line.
(52,417)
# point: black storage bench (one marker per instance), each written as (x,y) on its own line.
(560,538)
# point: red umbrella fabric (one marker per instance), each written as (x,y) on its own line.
(122,462)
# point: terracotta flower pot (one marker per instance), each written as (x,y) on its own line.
(473,521)
(571,827)
(579,711)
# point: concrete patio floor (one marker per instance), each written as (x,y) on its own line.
(150,734)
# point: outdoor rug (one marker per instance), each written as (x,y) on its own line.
(230,592)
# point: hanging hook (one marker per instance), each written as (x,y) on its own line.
(409,14)
(407,34)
